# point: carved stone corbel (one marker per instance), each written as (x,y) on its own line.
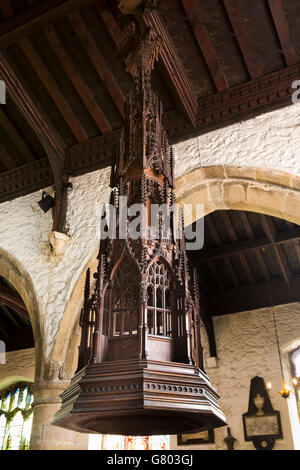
(58,243)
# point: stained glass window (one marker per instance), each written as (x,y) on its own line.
(114,442)
(15,417)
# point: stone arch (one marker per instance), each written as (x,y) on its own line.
(63,361)
(265,191)
(13,379)
(15,273)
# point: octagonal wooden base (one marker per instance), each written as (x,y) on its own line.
(139,398)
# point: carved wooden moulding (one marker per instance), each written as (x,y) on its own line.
(137,397)
(140,368)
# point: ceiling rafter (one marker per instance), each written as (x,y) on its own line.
(181,86)
(36,17)
(11,299)
(247,48)
(257,252)
(6,9)
(218,242)
(98,61)
(291,226)
(42,126)
(239,102)
(222,297)
(297,249)
(255,296)
(283,32)
(10,316)
(216,274)
(53,89)
(15,137)
(4,329)
(6,159)
(245,246)
(76,78)
(204,42)
(270,231)
(29,106)
(234,238)
(110,22)
(173,66)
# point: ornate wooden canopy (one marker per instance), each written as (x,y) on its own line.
(140,367)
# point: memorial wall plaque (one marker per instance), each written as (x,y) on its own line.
(261,423)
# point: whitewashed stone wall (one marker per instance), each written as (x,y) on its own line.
(24,234)
(246,347)
(271,140)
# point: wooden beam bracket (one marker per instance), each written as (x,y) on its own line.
(209,327)
(182,88)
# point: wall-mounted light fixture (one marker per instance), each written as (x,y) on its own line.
(47,202)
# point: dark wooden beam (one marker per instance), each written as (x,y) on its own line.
(92,155)
(13,301)
(283,31)
(254,296)
(224,108)
(25,179)
(110,22)
(244,101)
(204,297)
(238,22)
(270,231)
(209,327)
(251,236)
(36,17)
(204,42)
(10,316)
(76,78)
(21,338)
(283,263)
(216,274)
(45,131)
(231,271)
(6,159)
(173,67)
(241,102)
(244,246)
(213,231)
(15,137)
(29,106)
(6,9)
(297,249)
(98,61)
(234,239)
(218,242)
(52,87)
(5,329)
(268,227)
